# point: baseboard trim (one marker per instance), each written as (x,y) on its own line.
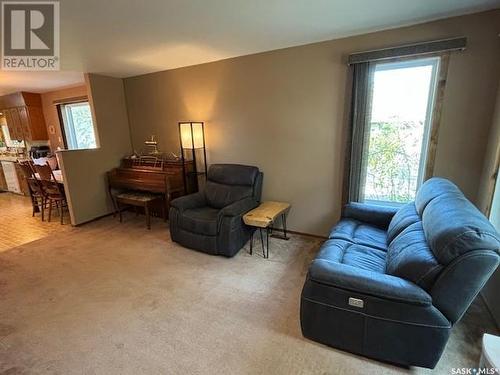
(300,233)
(274,229)
(94,219)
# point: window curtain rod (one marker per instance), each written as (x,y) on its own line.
(75,99)
(453,44)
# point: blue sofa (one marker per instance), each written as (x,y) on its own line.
(390,283)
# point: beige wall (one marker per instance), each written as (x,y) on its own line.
(285,112)
(51,115)
(488,181)
(491,158)
(85,170)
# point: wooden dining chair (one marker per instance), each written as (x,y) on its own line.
(38,196)
(54,191)
(36,191)
(27,168)
(45,172)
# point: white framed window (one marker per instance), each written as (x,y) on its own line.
(78,126)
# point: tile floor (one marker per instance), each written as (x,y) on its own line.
(18,227)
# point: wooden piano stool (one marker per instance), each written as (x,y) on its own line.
(140,199)
(146,185)
(147,188)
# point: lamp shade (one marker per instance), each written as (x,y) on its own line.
(191,134)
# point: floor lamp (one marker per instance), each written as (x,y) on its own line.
(192,138)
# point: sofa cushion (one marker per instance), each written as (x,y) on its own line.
(410,258)
(453,226)
(233,174)
(405,216)
(432,188)
(367,282)
(373,214)
(202,220)
(360,233)
(220,195)
(354,255)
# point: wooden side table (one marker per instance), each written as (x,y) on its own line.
(264,217)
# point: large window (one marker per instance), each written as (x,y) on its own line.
(399,117)
(78,127)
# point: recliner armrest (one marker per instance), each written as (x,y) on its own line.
(379,216)
(239,208)
(367,282)
(189,201)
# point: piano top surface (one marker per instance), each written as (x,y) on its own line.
(145,179)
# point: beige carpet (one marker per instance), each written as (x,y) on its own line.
(118,299)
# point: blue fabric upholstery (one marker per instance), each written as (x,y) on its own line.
(453,227)
(222,195)
(429,191)
(352,254)
(233,174)
(358,232)
(189,201)
(363,280)
(379,216)
(211,220)
(410,258)
(390,285)
(405,216)
(201,220)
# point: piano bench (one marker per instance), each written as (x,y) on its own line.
(139,199)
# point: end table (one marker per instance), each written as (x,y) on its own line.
(264,217)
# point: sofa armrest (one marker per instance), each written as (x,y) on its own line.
(239,208)
(189,201)
(367,282)
(379,216)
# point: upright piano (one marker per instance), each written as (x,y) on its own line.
(172,178)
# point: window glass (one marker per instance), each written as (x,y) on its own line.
(78,126)
(401,112)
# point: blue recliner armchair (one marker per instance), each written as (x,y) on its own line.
(211,220)
(390,284)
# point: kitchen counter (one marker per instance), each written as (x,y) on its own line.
(10,158)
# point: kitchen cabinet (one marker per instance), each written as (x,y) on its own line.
(25,122)
(14,124)
(3,182)
(33,123)
(10,123)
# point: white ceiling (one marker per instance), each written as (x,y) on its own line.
(124,38)
(38,81)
